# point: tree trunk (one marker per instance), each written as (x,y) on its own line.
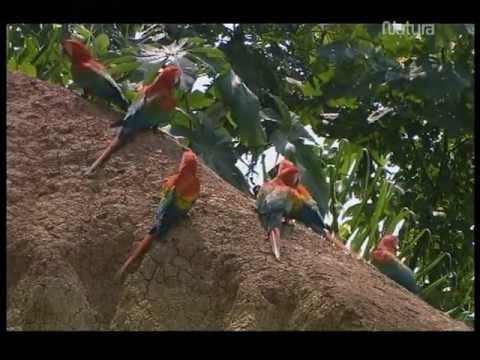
(67,235)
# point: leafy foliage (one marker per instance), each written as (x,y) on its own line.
(381,124)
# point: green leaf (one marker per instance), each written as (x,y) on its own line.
(444,33)
(30,50)
(149,76)
(49,52)
(254,69)
(101,44)
(131,95)
(398,45)
(429,289)
(365,193)
(333,203)
(360,32)
(385,192)
(213,143)
(427,269)
(343,102)
(82,31)
(359,239)
(196,41)
(209,52)
(122,59)
(282,110)
(245,108)
(200,100)
(279,139)
(12,64)
(28,69)
(406,250)
(123,68)
(402,215)
(312,88)
(214,59)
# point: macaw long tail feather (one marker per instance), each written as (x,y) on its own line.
(137,254)
(275,239)
(114,145)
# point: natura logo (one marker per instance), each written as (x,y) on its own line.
(407,28)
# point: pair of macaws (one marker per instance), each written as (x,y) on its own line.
(154,103)
(384,258)
(284,197)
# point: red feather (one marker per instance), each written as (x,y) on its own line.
(163,87)
(81,56)
(185,181)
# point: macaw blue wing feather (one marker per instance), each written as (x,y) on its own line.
(100,84)
(146,113)
(400,273)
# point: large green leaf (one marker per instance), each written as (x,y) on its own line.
(12,64)
(101,44)
(427,269)
(84,33)
(245,108)
(28,69)
(30,49)
(125,67)
(212,142)
(212,58)
(251,66)
(199,100)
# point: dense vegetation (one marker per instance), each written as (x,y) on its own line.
(381,123)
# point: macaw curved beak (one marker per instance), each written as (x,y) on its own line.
(297,179)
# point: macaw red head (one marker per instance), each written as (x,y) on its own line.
(289,175)
(165,81)
(390,243)
(288,172)
(188,164)
(76,50)
(284,164)
(171,74)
